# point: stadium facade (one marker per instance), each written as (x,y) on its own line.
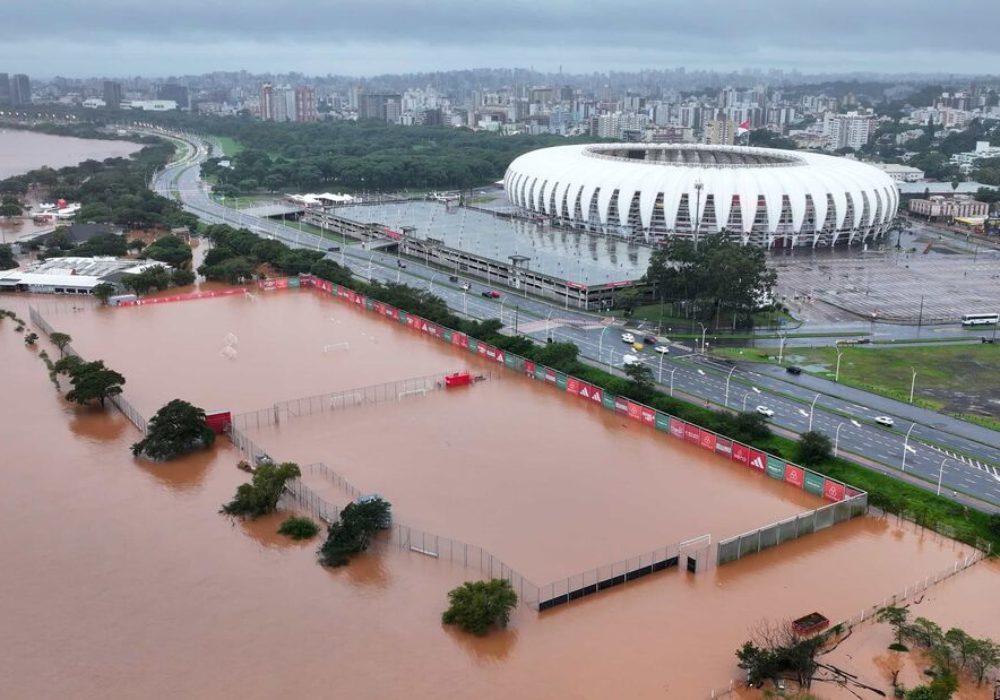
(648,192)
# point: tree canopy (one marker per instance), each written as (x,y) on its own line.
(261,495)
(352,533)
(92,381)
(478,606)
(713,276)
(168,249)
(176,429)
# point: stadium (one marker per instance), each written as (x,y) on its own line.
(770,197)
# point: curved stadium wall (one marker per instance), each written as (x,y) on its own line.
(769,197)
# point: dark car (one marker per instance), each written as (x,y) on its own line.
(491,294)
(400,263)
(333,249)
(792,369)
(649,339)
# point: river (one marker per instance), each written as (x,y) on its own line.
(21,151)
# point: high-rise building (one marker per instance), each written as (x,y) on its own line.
(267,102)
(112,94)
(720,132)
(850,130)
(178,93)
(305,104)
(379,106)
(20,90)
(4,89)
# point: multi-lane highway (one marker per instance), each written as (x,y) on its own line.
(934,449)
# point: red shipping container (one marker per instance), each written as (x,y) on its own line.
(458,379)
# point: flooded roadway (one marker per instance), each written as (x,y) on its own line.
(121,580)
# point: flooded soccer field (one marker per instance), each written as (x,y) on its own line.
(122,580)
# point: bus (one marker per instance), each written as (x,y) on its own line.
(980,319)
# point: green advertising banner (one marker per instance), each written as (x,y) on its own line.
(514,361)
(446,335)
(473,344)
(369,304)
(608,401)
(814,483)
(402,316)
(540,372)
(561,381)
(662,422)
(775,468)
(293,283)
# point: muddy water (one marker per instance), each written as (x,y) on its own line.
(21,151)
(120,580)
(968,601)
(279,350)
(547,483)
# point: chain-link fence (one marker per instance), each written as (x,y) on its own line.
(348,398)
(792,528)
(901,596)
(119,401)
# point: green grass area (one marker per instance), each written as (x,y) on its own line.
(230,146)
(941,369)
(660,314)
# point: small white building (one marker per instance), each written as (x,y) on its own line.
(901,173)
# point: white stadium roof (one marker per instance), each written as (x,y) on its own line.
(805,198)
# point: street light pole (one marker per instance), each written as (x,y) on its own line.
(913,382)
(836,439)
(728,377)
(672,381)
(812,409)
(745,401)
(781,347)
(941,475)
(906,444)
(501,311)
(659,376)
(698,185)
(703,331)
(600,344)
(836,376)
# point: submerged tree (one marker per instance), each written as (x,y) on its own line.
(177,428)
(92,381)
(478,606)
(261,495)
(352,533)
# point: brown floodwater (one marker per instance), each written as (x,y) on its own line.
(21,151)
(549,484)
(121,580)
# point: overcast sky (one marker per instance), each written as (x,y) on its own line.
(77,38)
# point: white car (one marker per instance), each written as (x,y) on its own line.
(765,411)
(885,420)
(662,349)
(628,338)
(630,360)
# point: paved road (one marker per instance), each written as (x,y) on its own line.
(968,453)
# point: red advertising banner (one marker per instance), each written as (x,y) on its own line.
(591,393)
(572,385)
(460,339)
(184,297)
(741,453)
(648,417)
(851,493)
(692,433)
(634,411)
(272,283)
(708,440)
(758,460)
(529,366)
(550,375)
(677,428)
(833,490)
(392,312)
(325,285)
(724,447)
(621,405)
(796,476)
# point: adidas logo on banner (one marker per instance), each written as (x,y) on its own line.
(757,463)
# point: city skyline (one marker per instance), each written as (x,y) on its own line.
(363,40)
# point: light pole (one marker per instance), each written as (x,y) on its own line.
(659,375)
(600,343)
(465,302)
(836,376)
(501,311)
(672,381)
(728,377)
(703,331)
(744,408)
(906,444)
(430,286)
(812,409)
(370,266)
(781,347)
(913,382)
(698,185)
(836,439)
(941,475)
